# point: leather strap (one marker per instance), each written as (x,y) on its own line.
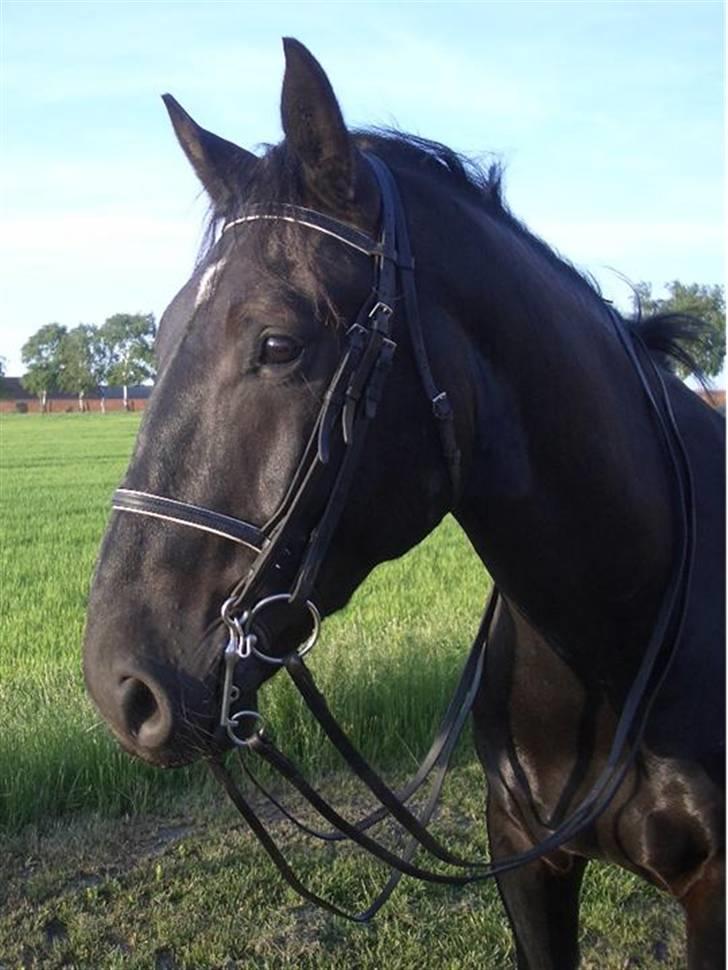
(439,399)
(183,513)
(310,218)
(444,740)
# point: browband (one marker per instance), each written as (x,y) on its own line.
(327,225)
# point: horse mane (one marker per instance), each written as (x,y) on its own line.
(668,336)
(470,175)
(481,180)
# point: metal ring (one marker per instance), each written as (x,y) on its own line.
(225,609)
(225,612)
(305,647)
(232,723)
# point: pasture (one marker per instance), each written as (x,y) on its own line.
(111,864)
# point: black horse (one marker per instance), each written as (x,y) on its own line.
(554,464)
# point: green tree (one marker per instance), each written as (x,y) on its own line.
(697,300)
(83,362)
(129,339)
(41,355)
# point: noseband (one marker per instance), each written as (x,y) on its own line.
(290,549)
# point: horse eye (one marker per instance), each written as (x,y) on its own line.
(279,350)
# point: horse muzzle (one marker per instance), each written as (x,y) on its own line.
(158,713)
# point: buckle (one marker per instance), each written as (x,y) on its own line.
(357,335)
(380,315)
(441,406)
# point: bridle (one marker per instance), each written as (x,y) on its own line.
(291,547)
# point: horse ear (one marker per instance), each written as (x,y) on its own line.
(314,126)
(220,165)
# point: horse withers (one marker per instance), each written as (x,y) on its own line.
(370,341)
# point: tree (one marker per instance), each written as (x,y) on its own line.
(41,355)
(129,339)
(83,362)
(706,303)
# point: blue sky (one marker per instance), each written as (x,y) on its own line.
(608,116)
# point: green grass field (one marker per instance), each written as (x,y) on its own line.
(112,864)
(387,663)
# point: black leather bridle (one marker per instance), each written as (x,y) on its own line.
(292,545)
(291,548)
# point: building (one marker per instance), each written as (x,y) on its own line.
(15,399)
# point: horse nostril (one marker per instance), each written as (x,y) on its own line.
(147,716)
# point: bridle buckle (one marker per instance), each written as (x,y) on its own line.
(441,407)
(380,315)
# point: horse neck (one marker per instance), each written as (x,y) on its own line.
(566,498)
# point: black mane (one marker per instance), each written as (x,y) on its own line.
(669,338)
(467,174)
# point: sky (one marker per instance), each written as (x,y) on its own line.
(607,115)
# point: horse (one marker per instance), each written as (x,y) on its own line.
(496,384)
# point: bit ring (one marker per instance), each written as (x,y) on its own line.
(232,723)
(303,649)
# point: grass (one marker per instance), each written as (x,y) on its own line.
(110,864)
(387,664)
(190,890)
(57,475)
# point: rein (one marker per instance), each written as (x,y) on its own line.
(291,548)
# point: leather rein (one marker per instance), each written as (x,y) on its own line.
(292,545)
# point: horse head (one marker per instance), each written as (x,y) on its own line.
(257,385)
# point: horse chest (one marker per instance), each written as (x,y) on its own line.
(544,737)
